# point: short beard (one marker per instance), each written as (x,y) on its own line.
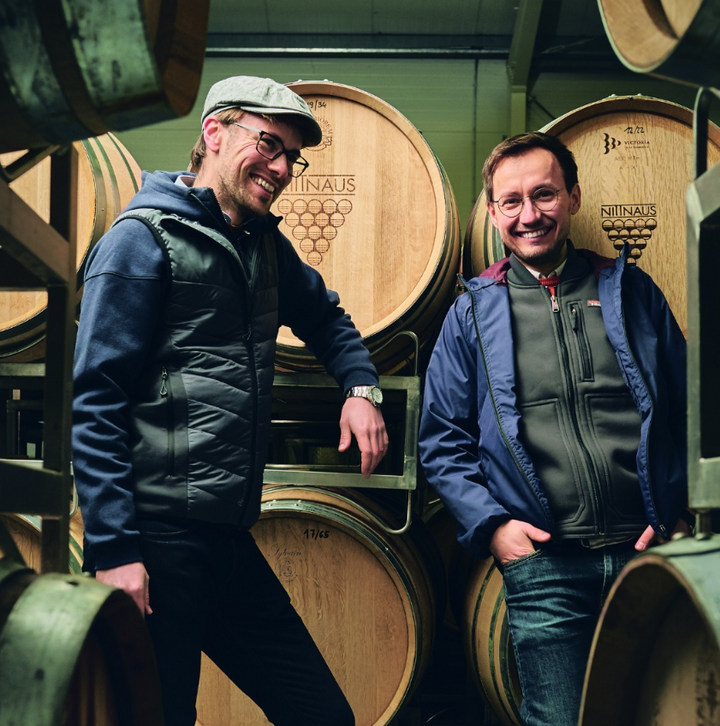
(227,199)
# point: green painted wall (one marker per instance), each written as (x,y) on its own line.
(462,107)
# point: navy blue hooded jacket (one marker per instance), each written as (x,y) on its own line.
(469,445)
(175,344)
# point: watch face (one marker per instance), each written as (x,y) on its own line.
(377,396)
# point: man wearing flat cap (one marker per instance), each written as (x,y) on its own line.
(182,302)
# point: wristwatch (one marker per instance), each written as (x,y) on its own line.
(373,394)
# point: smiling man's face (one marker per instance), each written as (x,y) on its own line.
(538,239)
(247,182)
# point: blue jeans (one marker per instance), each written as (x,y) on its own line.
(554,597)
(212,590)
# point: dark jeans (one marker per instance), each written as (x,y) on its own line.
(212,590)
(554,597)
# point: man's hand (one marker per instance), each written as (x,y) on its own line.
(361,419)
(649,536)
(514,539)
(132,578)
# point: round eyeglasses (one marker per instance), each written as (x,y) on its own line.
(544,199)
(270,147)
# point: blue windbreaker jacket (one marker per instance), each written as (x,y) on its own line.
(468,443)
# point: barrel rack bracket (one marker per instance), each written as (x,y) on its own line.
(305,424)
(703,300)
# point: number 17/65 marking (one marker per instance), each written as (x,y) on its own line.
(313,533)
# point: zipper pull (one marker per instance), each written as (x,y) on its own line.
(554,301)
(163,387)
(574,313)
(551,283)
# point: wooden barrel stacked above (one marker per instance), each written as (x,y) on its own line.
(368,598)
(72,69)
(675,39)
(108,177)
(376,216)
(635,161)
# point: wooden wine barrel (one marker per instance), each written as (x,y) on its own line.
(81,68)
(108,177)
(675,39)
(635,161)
(26,531)
(375,214)
(73,651)
(444,533)
(367,598)
(486,638)
(476,608)
(655,658)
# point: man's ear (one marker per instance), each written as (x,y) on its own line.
(493,214)
(211,133)
(575,199)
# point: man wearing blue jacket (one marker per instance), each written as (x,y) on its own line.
(174,364)
(554,420)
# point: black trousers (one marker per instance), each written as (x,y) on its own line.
(211,590)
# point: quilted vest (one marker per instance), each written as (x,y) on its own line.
(201,405)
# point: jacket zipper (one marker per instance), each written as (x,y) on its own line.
(247,339)
(550,284)
(166,392)
(578,326)
(505,437)
(572,398)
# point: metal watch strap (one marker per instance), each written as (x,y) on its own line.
(371,393)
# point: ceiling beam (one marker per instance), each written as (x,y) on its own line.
(519,60)
(523,41)
(358,45)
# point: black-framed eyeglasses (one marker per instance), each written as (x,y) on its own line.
(544,199)
(272,148)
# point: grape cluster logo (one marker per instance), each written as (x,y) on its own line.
(314,223)
(629,223)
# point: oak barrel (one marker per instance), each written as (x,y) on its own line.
(635,162)
(26,531)
(480,603)
(108,177)
(72,650)
(376,215)
(675,39)
(72,69)
(655,658)
(476,608)
(367,597)
(444,534)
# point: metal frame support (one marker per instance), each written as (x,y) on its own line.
(409,387)
(320,476)
(703,259)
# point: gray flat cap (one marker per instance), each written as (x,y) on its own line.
(263,95)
